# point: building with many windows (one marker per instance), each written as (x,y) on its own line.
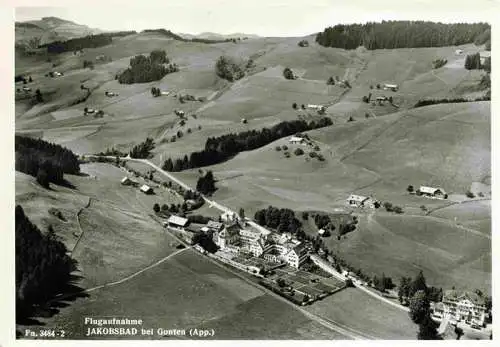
(464,306)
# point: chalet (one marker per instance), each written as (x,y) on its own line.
(296,140)
(393,87)
(146,189)
(464,306)
(381,98)
(177,222)
(360,201)
(431,192)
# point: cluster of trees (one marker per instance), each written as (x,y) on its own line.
(303,43)
(112,152)
(383,283)
(219,149)
(437,63)
(288,73)
(88,64)
(418,296)
(331,81)
(91,41)
(143,149)
(155,91)
(282,220)
(473,61)
(206,183)
(366,99)
(43,267)
(228,69)
(389,207)
(400,34)
(426,102)
(44,160)
(147,69)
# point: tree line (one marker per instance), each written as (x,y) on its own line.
(44,160)
(90,41)
(147,69)
(401,34)
(426,102)
(174,36)
(42,266)
(143,149)
(222,148)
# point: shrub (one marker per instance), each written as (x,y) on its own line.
(316,148)
(298,151)
(294,105)
(288,74)
(397,209)
(365,99)
(470,194)
(410,189)
(287,154)
(378,85)
(156,208)
(312,154)
(423,208)
(277,148)
(388,206)
(284,147)
(351,119)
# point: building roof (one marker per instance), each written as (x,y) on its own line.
(296,139)
(358,198)
(214,225)
(455,295)
(125,179)
(146,188)
(429,190)
(173,219)
(388,85)
(321,231)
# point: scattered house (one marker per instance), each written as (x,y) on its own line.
(126,181)
(459,51)
(431,192)
(179,112)
(89,111)
(315,107)
(296,140)
(360,201)
(110,94)
(205,229)
(381,98)
(57,74)
(393,87)
(100,57)
(27,89)
(177,222)
(146,189)
(464,306)
(164,93)
(321,232)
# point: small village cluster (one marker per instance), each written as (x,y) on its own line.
(234,236)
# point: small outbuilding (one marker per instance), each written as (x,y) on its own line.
(126,181)
(393,87)
(146,189)
(434,192)
(296,140)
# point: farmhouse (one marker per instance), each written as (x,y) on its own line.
(459,51)
(321,232)
(296,140)
(179,112)
(360,201)
(110,94)
(464,306)
(89,110)
(146,189)
(393,87)
(177,222)
(431,192)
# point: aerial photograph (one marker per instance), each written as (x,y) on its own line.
(210,173)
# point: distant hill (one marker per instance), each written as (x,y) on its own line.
(215,36)
(50,29)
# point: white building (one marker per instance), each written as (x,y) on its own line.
(464,306)
(360,201)
(393,87)
(459,51)
(435,192)
(296,140)
(126,181)
(146,189)
(177,222)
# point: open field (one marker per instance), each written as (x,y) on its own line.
(170,299)
(358,310)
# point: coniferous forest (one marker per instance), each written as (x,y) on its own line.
(219,149)
(147,69)
(46,161)
(403,34)
(42,266)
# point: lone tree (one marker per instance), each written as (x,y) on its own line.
(38,96)
(288,73)
(156,208)
(294,105)
(330,81)
(241,213)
